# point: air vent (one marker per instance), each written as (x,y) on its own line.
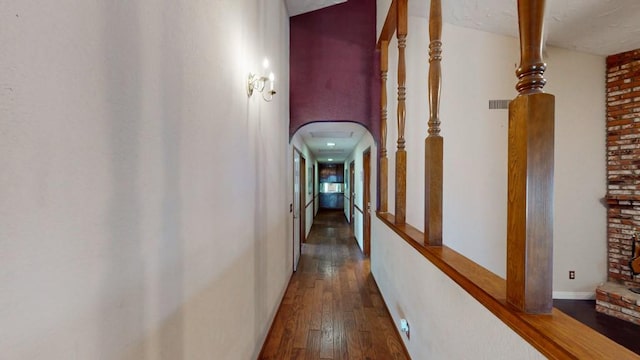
(498,104)
(332,134)
(331,151)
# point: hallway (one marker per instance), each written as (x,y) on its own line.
(332,308)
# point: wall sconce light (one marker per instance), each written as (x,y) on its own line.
(259,83)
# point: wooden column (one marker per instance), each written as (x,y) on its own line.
(384,161)
(530,189)
(401,154)
(434,142)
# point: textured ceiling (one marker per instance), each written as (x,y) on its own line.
(344,135)
(297,7)
(602,27)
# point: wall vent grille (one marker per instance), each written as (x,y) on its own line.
(498,104)
(331,151)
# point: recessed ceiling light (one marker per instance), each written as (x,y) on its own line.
(329,159)
(330,144)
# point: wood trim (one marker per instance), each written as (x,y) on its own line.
(555,335)
(389,27)
(366,202)
(303,198)
(293,212)
(352,194)
(355,206)
(310,203)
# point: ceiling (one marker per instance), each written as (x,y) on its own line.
(602,27)
(344,135)
(297,7)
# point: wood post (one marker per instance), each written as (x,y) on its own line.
(401,154)
(530,174)
(384,161)
(434,143)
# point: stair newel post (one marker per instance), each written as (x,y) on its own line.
(434,142)
(401,154)
(530,173)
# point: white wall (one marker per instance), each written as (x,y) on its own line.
(580,219)
(446,322)
(142,210)
(365,143)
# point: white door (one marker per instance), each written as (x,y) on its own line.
(296,209)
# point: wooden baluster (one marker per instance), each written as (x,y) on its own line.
(401,154)
(384,161)
(530,174)
(434,142)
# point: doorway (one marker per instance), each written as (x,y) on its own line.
(303,200)
(313,192)
(366,202)
(297,190)
(352,195)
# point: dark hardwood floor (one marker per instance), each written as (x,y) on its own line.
(332,308)
(620,331)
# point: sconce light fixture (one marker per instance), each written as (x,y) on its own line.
(259,83)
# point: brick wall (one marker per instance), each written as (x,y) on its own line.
(623,162)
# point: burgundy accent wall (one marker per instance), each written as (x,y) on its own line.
(335,67)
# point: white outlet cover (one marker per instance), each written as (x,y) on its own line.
(404,325)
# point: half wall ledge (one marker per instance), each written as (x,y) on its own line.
(557,335)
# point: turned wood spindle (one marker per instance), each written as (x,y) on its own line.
(435,57)
(531,26)
(433,146)
(384,161)
(401,154)
(402,89)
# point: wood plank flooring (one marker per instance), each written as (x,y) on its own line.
(332,308)
(620,331)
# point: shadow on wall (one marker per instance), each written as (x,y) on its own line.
(132,302)
(122,292)
(260,231)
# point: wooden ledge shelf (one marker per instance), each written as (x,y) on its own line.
(557,336)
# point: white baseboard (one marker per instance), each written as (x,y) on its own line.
(574,295)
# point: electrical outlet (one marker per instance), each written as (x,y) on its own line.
(404,327)
(572,274)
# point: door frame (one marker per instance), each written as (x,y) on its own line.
(352,195)
(296,217)
(313,193)
(303,201)
(366,202)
